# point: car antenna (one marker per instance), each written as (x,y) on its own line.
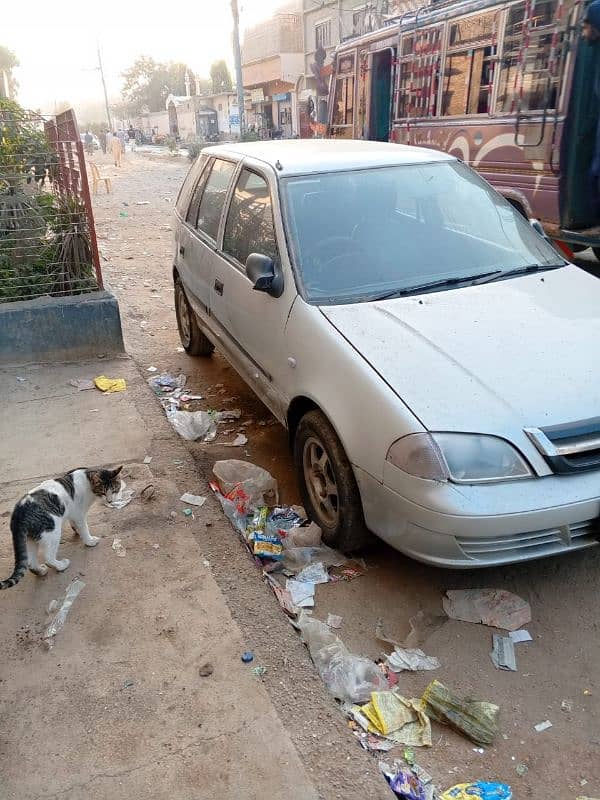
(278,165)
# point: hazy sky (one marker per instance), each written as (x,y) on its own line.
(56,42)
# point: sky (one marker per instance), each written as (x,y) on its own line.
(56,43)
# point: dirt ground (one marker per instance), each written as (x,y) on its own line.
(134,226)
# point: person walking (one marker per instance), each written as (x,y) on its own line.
(102,138)
(88,140)
(117,150)
(109,138)
(122,137)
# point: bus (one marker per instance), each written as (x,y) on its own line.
(507,87)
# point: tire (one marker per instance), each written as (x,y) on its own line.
(327,484)
(596,252)
(193,340)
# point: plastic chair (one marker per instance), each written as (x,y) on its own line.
(97,178)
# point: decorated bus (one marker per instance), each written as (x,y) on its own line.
(510,88)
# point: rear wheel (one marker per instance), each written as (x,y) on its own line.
(327,484)
(192,338)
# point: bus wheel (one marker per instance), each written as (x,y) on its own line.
(596,252)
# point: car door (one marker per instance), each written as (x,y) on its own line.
(199,235)
(252,322)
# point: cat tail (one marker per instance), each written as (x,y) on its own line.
(19,536)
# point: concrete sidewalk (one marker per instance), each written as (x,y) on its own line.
(117,708)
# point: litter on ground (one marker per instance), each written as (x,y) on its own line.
(494,607)
(479,790)
(61,611)
(477,720)
(122,499)
(503,653)
(519,636)
(118,547)
(543,726)
(406,659)
(192,499)
(110,385)
(82,384)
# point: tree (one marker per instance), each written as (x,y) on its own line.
(148,83)
(8,61)
(220,77)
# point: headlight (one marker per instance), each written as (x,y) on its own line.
(461,457)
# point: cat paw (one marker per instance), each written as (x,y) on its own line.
(40,571)
(92,541)
(60,566)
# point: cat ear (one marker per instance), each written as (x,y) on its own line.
(115,472)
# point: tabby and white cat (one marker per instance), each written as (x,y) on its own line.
(37,519)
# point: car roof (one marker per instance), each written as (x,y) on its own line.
(306,156)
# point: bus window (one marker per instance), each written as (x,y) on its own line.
(526,81)
(418,74)
(468,70)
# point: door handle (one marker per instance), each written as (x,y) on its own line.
(218,287)
(181,250)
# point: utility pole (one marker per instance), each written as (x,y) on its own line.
(237,55)
(340,31)
(110,127)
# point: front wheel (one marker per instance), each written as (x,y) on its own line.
(193,340)
(327,484)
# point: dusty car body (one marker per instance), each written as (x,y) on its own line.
(429,353)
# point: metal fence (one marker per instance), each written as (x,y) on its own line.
(47,237)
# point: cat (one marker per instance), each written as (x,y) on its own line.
(37,519)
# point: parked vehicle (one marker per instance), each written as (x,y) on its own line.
(427,350)
(508,87)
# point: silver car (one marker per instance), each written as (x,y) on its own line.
(431,355)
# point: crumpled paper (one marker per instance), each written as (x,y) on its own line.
(398,718)
(110,385)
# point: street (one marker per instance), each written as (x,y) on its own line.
(135,238)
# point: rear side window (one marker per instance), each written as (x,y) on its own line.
(213,197)
(249,227)
(192,214)
(187,187)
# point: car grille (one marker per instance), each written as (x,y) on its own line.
(534,544)
(573,447)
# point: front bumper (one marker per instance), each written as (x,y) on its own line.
(471,541)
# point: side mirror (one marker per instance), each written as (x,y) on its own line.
(537,226)
(263,273)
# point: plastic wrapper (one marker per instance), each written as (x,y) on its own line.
(257,483)
(235,507)
(401,719)
(475,719)
(283,519)
(314,573)
(406,785)
(413,660)
(266,546)
(348,677)
(166,383)
(296,559)
(193,425)
(60,617)
(479,790)
(257,523)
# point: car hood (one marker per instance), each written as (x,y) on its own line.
(485,358)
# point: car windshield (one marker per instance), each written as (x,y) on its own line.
(362,235)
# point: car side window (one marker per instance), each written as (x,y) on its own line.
(192,214)
(213,197)
(249,227)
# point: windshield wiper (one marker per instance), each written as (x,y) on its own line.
(527,270)
(434,284)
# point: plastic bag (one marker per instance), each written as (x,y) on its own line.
(166,383)
(255,481)
(296,558)
(413,660)
(348,677)
(390,713)
(479,790)
(314,573)
(192,425)
(307,536)
(283,519)
(59,619)
(474,719)
(406,785)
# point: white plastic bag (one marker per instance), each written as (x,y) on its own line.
(255,481)
(348,677)
(192,425)
(296,559)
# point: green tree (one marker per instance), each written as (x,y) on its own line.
(220,77)
(8,61)
(148,83)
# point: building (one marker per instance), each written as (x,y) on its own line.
(272,61)
(325,25)
(225,105)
